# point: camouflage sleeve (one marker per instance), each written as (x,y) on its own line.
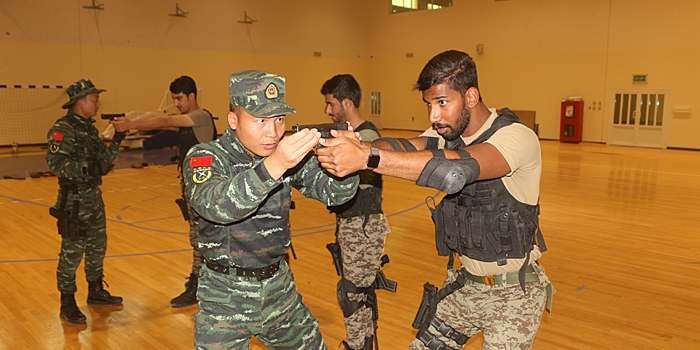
(61,144)
(222,192)
(110,152)
(315,183)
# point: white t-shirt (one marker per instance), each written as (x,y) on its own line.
(521,149)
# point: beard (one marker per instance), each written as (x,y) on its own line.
(458,129)
(340,116)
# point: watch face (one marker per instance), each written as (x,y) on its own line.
(373,160)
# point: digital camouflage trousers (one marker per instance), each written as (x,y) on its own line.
(508,318)
(361,252)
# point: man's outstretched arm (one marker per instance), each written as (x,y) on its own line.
(158,122)
(345,154)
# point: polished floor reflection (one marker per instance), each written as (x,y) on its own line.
(621,224)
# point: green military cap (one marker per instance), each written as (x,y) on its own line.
(78,90)
(259,93)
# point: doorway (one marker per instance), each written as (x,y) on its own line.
(639,118)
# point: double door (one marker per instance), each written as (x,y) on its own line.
(638,118)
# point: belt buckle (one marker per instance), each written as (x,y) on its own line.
(489,280)
(263,274)
(267,271)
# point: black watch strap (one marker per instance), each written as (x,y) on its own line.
(373,159)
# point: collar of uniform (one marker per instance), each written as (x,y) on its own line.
(239,149)
(231,144)
(81,118)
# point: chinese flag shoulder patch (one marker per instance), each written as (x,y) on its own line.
(57,136)
(200,161)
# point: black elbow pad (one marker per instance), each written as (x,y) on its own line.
(449,175)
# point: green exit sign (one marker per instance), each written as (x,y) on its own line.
(639,78)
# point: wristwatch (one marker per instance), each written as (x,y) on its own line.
(373,159)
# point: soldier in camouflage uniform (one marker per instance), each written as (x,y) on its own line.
(489,166)
(361,227)
(239,187)
(79,158)
(194,125)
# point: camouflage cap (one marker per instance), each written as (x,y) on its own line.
(78,90)
(259,93)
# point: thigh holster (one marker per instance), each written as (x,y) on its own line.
(426,316)
(350,306)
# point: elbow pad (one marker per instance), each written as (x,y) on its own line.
(449,175)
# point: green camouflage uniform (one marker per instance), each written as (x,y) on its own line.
(242,218)
(74,145)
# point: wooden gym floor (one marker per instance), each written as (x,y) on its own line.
(621,225)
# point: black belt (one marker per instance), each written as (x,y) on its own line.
(259,274)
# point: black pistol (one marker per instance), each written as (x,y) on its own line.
(112,116)
(324,129)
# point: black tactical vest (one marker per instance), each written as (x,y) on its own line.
(367,200)
(484,221)
(187,139)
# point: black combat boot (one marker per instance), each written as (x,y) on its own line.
(369,340)
(99,296)
(189,296)
(367,346)
(70,311)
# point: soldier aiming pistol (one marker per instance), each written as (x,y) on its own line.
(112,116)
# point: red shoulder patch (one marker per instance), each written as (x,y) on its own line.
(200,161)
(57,136)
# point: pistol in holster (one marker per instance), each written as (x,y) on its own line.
(68,226)
(334,248)
(427,309)
(182,203)
(381,282)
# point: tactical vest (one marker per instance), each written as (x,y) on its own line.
(187,139)
(484,221)
(89,153)
(367,200)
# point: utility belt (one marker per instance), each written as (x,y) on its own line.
(378,216)
(68,223)
(259,274)
(72,185)
(513,278)
(504,278)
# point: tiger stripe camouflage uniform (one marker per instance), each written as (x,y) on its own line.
(242,218)
(73,141)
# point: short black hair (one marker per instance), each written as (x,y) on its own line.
(455,68)
(343,86)
(184,84)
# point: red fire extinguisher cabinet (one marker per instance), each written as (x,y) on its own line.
(571,121)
